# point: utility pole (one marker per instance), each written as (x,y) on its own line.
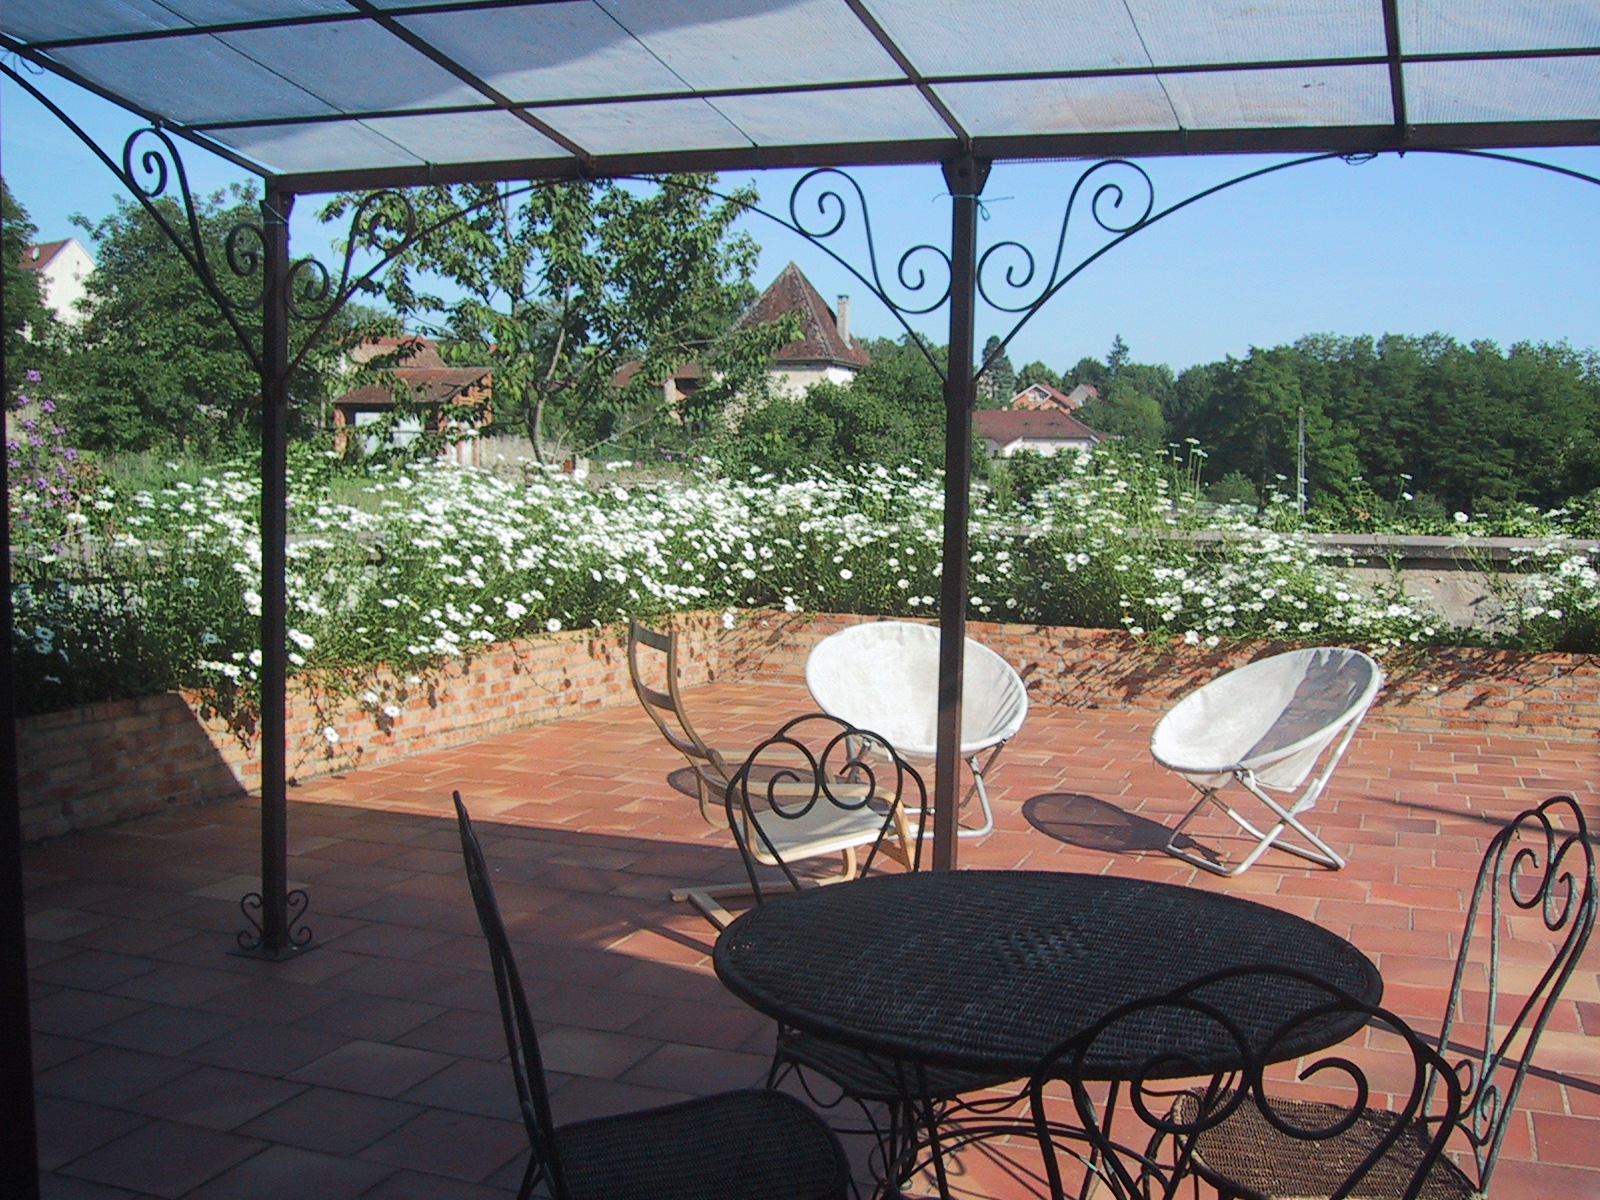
(1300,467)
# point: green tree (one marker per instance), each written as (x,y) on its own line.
(155,365)
(1038,372)
(891,414)
(31,331)
(1250,425)
(999,383)
(1089,370)
(1128,412)
(559,287)
(1117,357)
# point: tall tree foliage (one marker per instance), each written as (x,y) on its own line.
(999,383)
(30,327)
(1037,372)
(1471,426)
(155,365)
(1394,420)
(891,414)
(559,287)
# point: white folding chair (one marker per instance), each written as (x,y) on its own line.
(884,676)
(1268,725)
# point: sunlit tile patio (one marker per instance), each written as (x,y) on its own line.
(371,1066)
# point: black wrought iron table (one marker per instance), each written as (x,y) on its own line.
(988,970)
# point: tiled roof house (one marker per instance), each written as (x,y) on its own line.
(1043,396)
(825,350)
(1044,431)
(416,363)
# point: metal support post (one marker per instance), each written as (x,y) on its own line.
(965,178)
(274,938)
(19,1155)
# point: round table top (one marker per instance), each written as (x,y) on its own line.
(990,970)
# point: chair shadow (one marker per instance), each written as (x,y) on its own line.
(1094,824)
(683,780)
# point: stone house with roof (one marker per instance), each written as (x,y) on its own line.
(1043,431)
(414,364)
(825,351)
(1043,397)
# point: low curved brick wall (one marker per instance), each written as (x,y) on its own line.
(109,762)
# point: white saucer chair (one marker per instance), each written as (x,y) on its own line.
(1268,725)
(884,676)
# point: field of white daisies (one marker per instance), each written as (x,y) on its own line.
(122,594)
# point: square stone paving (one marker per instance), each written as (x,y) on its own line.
(373,1066)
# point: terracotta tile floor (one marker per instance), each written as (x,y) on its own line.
(370,1067)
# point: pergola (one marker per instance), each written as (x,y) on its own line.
(317,96)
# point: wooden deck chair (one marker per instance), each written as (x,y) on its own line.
(711,772)
(1267,726)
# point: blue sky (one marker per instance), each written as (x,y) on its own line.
(1473,249)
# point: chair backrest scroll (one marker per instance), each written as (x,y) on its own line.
(822,779)
(1200,1059)
(1537,878)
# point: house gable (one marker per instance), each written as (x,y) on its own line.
(63,268)
(1041,396)
(825,349)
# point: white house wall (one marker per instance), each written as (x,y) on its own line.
(62,281)
(1037,446)
(793,381)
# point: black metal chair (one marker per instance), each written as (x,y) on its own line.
(743,1145)
(1536,887)
(1198,1078)
(820,786)
(809,792)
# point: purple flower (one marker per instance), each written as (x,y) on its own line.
(34,376)
(47,406)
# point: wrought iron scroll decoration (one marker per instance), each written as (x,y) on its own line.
(1188,1088)
(1019,275)
(1544,871)
(311,294)
(251,903)
(832,214)
(1016,263)
(309,284)
(1059,280)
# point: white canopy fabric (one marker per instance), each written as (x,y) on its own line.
(365,93)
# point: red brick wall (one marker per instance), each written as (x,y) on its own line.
(107,762)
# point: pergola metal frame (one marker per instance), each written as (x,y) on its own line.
(302,289)
(1401,133)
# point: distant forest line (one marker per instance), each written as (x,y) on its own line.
(1427,421)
